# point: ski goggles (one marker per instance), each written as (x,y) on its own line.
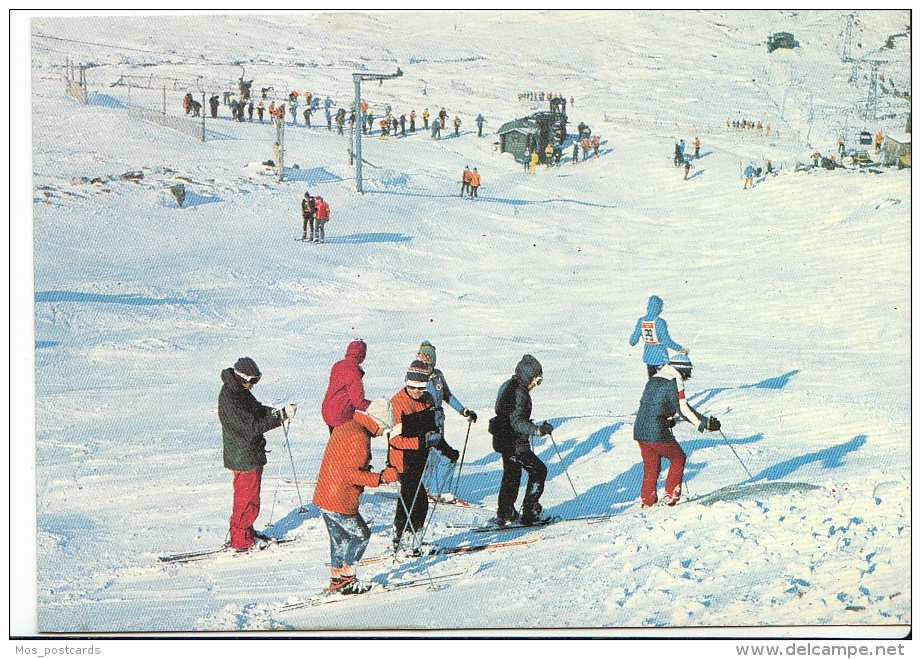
(538,380)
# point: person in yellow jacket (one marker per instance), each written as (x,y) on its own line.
(425,118)
(532,167)
(548,154)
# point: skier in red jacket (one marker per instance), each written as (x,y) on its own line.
(322,217)
(345,392)
(344,474)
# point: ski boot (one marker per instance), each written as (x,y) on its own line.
(533,515)
(504,519)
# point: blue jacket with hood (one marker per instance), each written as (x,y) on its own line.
(654,332)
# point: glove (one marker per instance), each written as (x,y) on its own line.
(712,424)
(288,411)
(450,453)
(545,428)
(389,475)
(685,351)
(671,422)
(470,414)
(431,439)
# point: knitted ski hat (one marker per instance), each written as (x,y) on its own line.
(681,363)
(427,353)
(381,411)
(418,374)
(246,368)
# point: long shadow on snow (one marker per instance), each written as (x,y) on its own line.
(613,496)
(312,176)
(133,300)
(358,238)
(498,200)
(831,458)
(703,397)
(293,520)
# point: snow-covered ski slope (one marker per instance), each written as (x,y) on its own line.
(793,298)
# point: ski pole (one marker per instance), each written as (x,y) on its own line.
(750,477)
(463,454)
(409,510)
(565,470)
(284,426)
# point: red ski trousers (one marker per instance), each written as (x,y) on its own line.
(246,489)
(652,453)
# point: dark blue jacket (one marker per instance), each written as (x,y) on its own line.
(512,426)
(659,405)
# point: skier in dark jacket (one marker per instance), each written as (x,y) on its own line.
(662,402)
(213,103)
(243,422)
(308,213)
(512,430)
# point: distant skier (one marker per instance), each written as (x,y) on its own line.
(442,117)
(329,119)
(548,155)
(213,103)
(474,184)
(345,392)
(512,430)
(457,125)
(425,118)
(678,155)
(436,130)
(412,121)
(595,144)
(575,153)
(654,332)
(344,474)
(749,177)
(479,125)
(465,181)
(534,160)
(308,213)
(308,111)
(585,144)
(696,148)
(687,167)
(243,422)
(663,400)
(249,110)
(260,109)
(408,451)
(322,217)
(403,124)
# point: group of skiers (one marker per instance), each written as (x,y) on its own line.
(315,214)
(412,424)
(543,96)
(745,124)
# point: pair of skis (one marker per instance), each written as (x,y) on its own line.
(324,597)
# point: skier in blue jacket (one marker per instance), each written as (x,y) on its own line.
(654,332)
(438,388)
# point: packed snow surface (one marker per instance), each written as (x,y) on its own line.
(793,297)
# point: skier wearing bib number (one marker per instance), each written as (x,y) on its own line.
(654,332)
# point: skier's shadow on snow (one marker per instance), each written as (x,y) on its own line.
(293,520)
(360,238)
(831,458)
(697,173)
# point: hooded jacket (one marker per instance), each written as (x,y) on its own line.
(243,422)
(654,332)
(512,427)
(345,470)
(345,392)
